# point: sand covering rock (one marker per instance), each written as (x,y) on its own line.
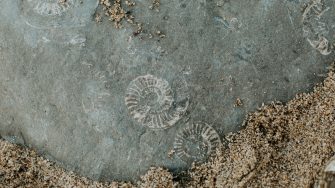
(280,146)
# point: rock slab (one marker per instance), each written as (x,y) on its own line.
(109,104)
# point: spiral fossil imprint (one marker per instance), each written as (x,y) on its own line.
(196,142)
(150,101)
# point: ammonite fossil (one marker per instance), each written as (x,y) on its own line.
(44,14)
(150,101)
(196,142)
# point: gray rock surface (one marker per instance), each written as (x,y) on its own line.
(108,104)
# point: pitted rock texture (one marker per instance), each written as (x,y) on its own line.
(64,77)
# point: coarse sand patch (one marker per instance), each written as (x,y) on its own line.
(281,145)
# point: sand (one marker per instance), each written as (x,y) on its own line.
(281,145)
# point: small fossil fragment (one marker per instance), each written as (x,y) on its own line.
(98,18)
(317,23)
(94,93)
(238,102)
(322,45)
(171,153)
(51,7)
(160,34)
(46,14)
(196,142)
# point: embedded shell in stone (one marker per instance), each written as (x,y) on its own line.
(47,14)
(51,7)
(196,142)
(316,26)
(150,102)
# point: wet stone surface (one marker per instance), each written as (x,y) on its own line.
(109,104)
